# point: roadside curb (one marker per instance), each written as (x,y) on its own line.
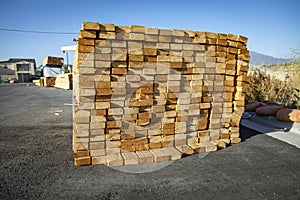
(16,84)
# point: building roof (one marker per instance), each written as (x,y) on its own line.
(13,60)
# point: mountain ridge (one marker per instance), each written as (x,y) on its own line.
(262,59)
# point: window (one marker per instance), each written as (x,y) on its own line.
(5,66)
(23,67)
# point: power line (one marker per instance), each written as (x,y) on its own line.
(39,32)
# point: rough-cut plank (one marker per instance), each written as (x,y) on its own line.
(198,148)
(160,155)
(145,157)
(90,26)
(114,159)
(185,149)
(165,154)
(99,160)
(130,158)
(88,34)
(83,161)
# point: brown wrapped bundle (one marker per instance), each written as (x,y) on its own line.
(268,110)
(288,115)
(252,106)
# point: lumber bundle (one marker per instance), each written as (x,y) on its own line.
(38,82)
(50,60)
(145,95)
(64,81)
(49,81)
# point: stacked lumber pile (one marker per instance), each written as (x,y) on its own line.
(145,95)
(64,81)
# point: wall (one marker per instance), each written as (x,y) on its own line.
(31,71)
(152,95)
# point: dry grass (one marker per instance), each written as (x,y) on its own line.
(263,87)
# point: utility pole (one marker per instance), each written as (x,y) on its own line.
(67,59)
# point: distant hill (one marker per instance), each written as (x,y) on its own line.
(261,59)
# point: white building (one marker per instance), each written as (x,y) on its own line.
(24,68)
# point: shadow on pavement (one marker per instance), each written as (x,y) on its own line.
(246,133)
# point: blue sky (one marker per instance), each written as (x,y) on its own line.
(272,26)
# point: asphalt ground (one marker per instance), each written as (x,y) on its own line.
(37,160)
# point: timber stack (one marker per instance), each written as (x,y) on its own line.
(145,95)
(51,67)
(64,81)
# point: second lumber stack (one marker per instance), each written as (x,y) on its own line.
(51,67)
(151,95)
(64,81)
